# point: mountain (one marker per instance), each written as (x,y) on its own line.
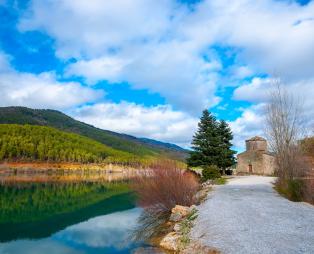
(118,141)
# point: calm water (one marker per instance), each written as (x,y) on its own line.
(67,217)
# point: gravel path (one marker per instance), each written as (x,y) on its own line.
(248,216)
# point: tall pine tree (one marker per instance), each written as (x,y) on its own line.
(211,143)
(226,158)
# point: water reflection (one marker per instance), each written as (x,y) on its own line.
(103,234)
(109,231)
(36,210)
(48,176)
(65,213)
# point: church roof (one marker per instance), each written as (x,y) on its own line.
(256,138)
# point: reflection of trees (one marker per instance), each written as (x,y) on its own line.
(39,210)
(31,202)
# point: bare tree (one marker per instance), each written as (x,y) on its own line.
(284,130)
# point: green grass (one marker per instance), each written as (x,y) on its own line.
(291,189)
(185,228)
(220,181)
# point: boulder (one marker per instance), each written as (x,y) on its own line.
(170,241)
(175,217)
(179,212)
(183,210)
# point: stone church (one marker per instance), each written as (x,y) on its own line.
(256,159)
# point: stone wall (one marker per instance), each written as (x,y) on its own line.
(256,145)
(262,163)
(269,164)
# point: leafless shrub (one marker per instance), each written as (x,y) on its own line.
(165,186)
(159,190)
(285,130)
(283,121)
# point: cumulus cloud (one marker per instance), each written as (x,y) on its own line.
(40,91)
(159,122)
(94,27)
(105,68)
(252,120)
(165,47)
(258,90)
(249,124)
(112,230)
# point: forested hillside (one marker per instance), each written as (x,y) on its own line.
(56,119)
(41,143)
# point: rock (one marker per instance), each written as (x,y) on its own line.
(170,241)
(192,207)
(179,212)
(177,227)
(175,217)
(201,195)
(183,210)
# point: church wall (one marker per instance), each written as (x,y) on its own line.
(257,145)
(269,164)
(253,158)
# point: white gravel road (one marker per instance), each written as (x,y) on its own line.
(248,216)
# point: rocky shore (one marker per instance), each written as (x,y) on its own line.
(179,225)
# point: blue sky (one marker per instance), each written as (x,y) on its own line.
(148,68)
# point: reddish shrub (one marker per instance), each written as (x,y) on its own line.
(165,186)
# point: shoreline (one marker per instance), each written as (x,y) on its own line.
(177,238)
(25,172)
(49,166)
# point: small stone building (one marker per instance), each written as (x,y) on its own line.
(256,159)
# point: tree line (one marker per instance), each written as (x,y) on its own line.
(40,143)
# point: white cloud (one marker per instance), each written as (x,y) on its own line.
(258,90)
(91,28)
(252,120)
(160,45)
(169,68)
(264,31)
(130,41)
(249,124)
(164,47)
(159,122)
(40,91)
(105,68)
(112,230)
(241,72)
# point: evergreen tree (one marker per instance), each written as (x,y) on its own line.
(206,142)
(211,143)
(226,158)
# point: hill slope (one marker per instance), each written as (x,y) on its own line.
(41,143)
(56,119)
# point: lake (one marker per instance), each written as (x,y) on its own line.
(67,216)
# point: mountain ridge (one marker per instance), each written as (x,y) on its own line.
(61,121)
